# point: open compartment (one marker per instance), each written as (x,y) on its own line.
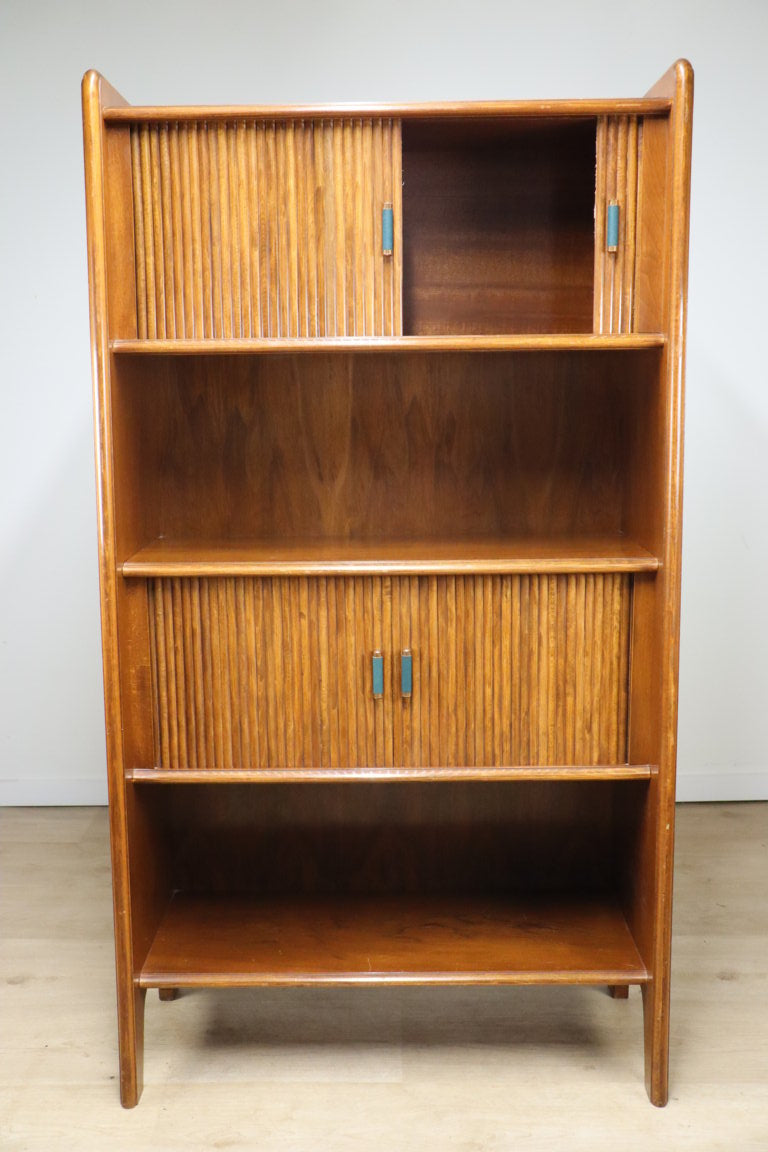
(364,883)
(498,226)
(322,462)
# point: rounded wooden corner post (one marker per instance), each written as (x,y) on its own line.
(677,83)
(96,95)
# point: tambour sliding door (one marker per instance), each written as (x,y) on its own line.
(274,673)
(266,228)
(617,178)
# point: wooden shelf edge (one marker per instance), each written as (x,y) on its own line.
(559,342)
(232,941)
(178,979)
(143,569)
(645,106)
(392,557)
(371,775)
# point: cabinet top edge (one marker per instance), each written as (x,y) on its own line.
(492,109)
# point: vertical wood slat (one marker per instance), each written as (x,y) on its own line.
(275,673)
(618,151)
(266,229)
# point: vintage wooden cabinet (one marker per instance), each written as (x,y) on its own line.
(389,457)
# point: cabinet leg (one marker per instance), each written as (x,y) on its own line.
(618,991)
(131,1033)
(168,993)
(656,1026)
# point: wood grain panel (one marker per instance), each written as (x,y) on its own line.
(498,227)
(507,670)
(388,834)
(265,228)
(619,146)
(206,941)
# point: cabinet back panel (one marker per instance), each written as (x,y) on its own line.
(498,227)
(265,228)
(360,447)
(276,673)
(378,838)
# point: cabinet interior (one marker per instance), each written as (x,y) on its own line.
(387,838)
(394,447)
(498,226)
(409,882)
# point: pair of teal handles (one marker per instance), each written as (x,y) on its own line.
(406,674)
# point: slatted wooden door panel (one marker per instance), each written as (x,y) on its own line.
(266,228)
(275,673)
(513,670)
(619,154)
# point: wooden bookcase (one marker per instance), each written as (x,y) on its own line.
(389,459)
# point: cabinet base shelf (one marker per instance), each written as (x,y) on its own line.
(211,941)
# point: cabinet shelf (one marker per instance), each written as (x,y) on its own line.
(558,342)
(318,557)
(205,941)
(367,775)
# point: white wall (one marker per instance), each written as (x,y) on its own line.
(199,51)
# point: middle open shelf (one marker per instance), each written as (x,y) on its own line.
(398,464)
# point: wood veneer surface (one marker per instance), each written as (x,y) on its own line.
(383,556)
(419,940)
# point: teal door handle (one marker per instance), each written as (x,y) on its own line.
(387,230)
(406,673)
(612,228)
(377,674)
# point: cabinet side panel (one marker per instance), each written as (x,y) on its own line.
(665,217)
(102,189)
(265,228)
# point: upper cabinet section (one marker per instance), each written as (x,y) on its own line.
(386,225)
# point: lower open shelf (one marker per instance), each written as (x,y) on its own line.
(235,941)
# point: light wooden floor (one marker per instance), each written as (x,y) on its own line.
(534,1069)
